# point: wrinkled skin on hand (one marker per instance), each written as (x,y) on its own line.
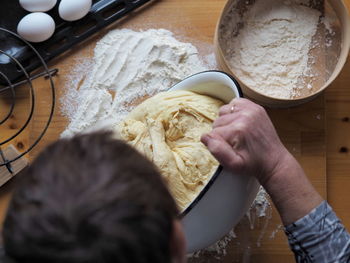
(245,140)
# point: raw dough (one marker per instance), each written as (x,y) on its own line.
(167,129)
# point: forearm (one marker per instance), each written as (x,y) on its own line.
(244,140)
(315,233)
(291,191)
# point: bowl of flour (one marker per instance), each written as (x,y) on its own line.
(283,53)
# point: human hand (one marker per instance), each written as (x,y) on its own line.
(245,141)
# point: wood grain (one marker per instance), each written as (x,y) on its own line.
(338,143)
(317,133)
(11,152)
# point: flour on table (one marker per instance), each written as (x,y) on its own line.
(260,209)
(127,66)
(269,52)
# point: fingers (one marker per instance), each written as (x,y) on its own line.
(220,149)
(233,113)
(226,109)
(232,134)
(241,133)
(236,105)
(224,120)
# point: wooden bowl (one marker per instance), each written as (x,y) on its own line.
(339,9)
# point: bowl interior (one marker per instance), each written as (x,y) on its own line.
(216,84)
(327,55)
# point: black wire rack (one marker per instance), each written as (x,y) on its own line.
(10,89)
(67,34)
(18,58)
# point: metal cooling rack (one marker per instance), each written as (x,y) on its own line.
(18,57)
(67,34)
(10,90)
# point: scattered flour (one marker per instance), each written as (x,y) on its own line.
(261,204)
(260,209)
(269,50)
(217,250)
(127,66)
(278,229)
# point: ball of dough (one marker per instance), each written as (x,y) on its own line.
(167,129)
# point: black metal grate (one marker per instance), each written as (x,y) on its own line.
(10,91)
(68,34)
(18,57)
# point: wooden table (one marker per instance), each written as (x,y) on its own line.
(317,133)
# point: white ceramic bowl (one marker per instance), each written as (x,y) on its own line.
(226,197)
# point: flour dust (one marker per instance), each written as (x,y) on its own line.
(275,46)
(129,66)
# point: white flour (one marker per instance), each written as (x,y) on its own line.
(130,65)
(270,52)
(261,208)
(127,66)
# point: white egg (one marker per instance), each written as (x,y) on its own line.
(71,10)
(36,27)
(38,5)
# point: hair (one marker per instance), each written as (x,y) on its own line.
(91,198)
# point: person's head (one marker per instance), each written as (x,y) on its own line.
(92,198)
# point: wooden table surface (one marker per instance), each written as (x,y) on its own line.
(317,133)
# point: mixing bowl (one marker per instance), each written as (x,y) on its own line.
(226,197)
(330,53)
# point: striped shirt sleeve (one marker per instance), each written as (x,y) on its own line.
(319,237)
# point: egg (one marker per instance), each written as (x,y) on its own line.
(71,10)
(36,27)
(38,5)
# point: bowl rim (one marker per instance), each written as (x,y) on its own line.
(218,171)
(344,18)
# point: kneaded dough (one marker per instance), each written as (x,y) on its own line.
(167,129)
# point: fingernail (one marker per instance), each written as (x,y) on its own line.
(204,139)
